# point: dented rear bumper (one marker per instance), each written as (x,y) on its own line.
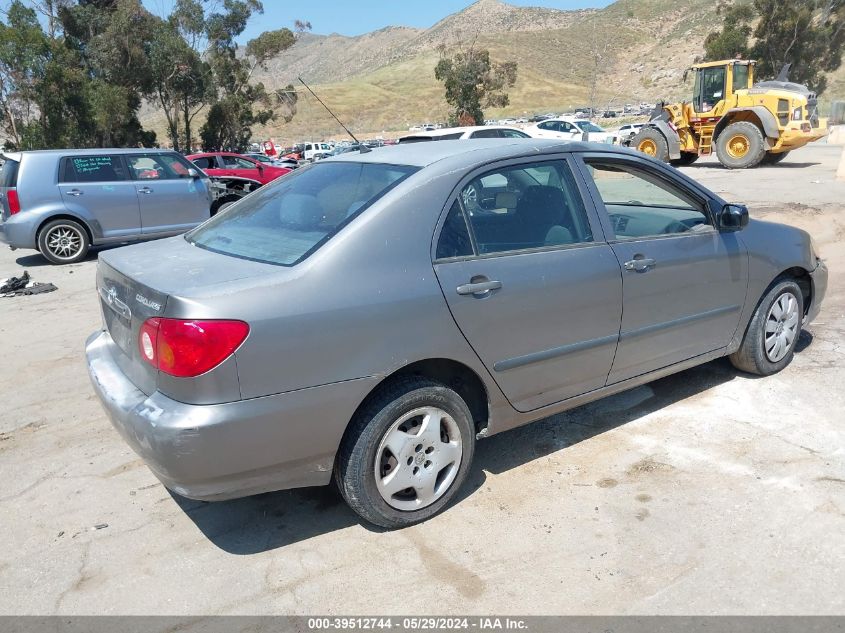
(223,451)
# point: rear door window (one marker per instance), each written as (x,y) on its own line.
(157,167)
(9,173)
(236,162)
(95,168)
(205,162)
(535,205)
(486,134)
(284,222)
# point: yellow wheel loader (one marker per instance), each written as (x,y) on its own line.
(744,123)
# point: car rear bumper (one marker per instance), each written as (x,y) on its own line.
(215,452)
(819,278)
(17,233)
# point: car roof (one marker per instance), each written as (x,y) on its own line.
(448,131)
(93,152)
(481,150)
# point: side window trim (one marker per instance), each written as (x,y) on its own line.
(594,219)
(639,165)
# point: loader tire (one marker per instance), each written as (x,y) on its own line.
(651,142)
(740,146)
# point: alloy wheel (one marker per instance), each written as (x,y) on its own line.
(418,458)
(64,242)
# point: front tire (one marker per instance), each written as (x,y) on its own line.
(63,241)
(740,146)
(650,141)
(406,454)
(769,342)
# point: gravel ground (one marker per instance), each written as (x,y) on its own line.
(705,492)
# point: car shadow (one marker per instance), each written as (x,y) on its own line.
(273,520)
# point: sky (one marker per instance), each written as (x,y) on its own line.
(354,17)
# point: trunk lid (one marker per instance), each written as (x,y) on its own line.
(136,283)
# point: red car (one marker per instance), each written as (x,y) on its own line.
(221,164)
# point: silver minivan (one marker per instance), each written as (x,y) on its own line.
(61,202)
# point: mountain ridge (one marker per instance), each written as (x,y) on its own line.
(381,82)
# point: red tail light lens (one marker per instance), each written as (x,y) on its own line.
(14,201)
(189,348)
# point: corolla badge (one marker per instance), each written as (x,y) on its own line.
(152,305)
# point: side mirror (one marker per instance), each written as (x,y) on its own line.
(733,217)
(193,173)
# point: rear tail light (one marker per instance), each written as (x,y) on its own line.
(189,348)
(14,201)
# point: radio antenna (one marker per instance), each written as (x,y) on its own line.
(361,147)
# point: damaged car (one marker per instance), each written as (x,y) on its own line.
(368,318)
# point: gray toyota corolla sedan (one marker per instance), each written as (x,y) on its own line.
(371,316)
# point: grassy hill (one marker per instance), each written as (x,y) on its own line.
(383,82)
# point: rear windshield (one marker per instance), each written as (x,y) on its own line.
(9,173)
(284,222)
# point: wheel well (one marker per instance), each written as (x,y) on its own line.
(65,216)
(736,117)
(454,375)
(801,277)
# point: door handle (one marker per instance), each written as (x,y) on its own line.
(74,192)
(640,264)
(145,190)
(479,288)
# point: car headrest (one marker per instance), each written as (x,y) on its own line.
(543,204)
(506,200)
(301,211)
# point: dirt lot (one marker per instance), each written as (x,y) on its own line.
(705,492)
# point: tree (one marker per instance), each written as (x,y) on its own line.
(24,51)
(808,34)
(111,39)
(732,40)
(473,82)
(81,82)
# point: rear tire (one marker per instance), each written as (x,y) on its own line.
(400,436)
(773,159)
(651,142)
(740,145)
(770,339)
(63,241)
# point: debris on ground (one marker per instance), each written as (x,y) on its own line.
(23,285)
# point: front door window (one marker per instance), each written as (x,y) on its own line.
(709,88)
